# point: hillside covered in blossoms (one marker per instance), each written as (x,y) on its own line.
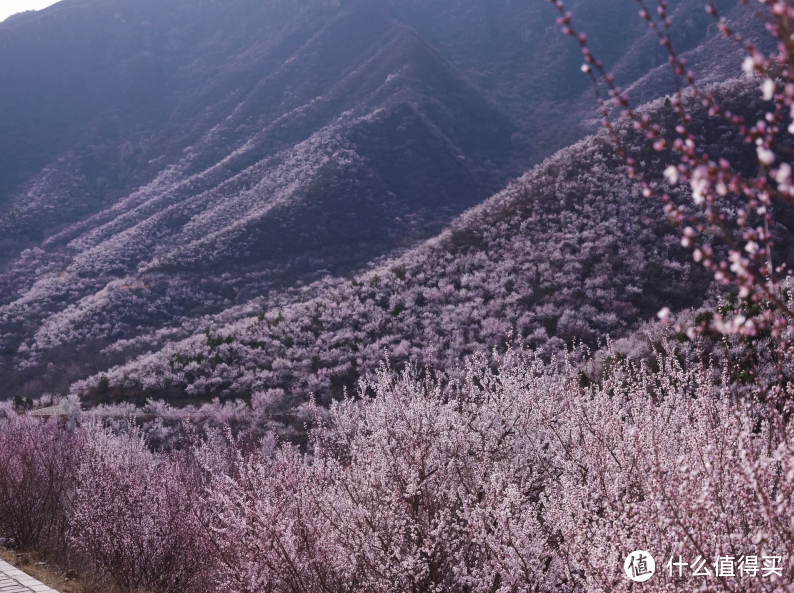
(197,165)
(571,252)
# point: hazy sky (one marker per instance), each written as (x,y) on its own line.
(9,7)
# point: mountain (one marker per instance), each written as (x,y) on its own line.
(571,252)
(287,160)
(161,163)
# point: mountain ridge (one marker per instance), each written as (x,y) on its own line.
(570,252)
(238,150)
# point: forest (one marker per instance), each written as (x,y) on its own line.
(301,351)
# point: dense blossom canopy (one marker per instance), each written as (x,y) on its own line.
(514,478)
(570,252)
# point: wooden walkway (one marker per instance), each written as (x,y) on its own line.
(13,580)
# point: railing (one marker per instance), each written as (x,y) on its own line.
(62,411)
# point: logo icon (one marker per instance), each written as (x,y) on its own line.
(639,566)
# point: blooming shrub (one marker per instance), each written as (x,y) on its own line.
(670,462)
(37,480)
(134,516)
(516,479)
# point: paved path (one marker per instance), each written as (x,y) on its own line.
(13,580)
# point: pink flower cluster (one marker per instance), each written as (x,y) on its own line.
(750,262)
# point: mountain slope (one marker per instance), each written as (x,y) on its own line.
(304,173)
(101,105)
(516,53)
(570,252)
(162,163)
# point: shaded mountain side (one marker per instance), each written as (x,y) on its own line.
(87,72)
(294,74)
(714,60)
(569,252)
(98,98)
(221,153)
(516,53)
(263,199)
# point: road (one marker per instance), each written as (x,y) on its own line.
(13,580)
